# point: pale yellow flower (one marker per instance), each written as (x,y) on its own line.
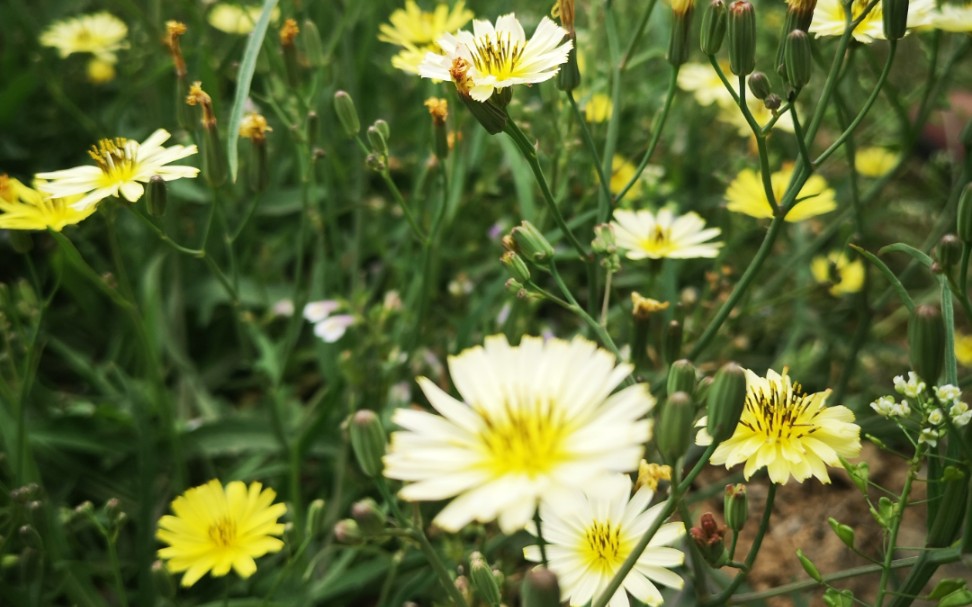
(963,349)
(100,71)
(844,275)
(828,19)
(649,475)
(953,18)
(416,31)
(622,172)
(787,431)
(874,162)
(237,19)
(24,208)
(646,235)
(598,108)
(746,195)
(101,34)
(704,84)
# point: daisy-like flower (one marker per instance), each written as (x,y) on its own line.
(496,57)
(123,165)
(828,19)
(537,420)
(598,108)
(416,31)
(704,84)
(215,529)
(844,275)
(645,235)
(235,19)
(874,162)
(787,431)
(589,534)
(101,34)
(953,18)
(24,208)
(747,196)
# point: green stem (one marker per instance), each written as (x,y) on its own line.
(591,322)
(801,143)
(896,518)
(636,38)
(440,571)
(603,181)
(541,543)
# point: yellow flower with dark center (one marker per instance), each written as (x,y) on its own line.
(24,208)
(214,529)
(746,195)
(101,34)
(787,431)
(874,162)
(844,275)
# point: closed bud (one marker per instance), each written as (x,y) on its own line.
(347,114)
(926,342)
(675,424)
(346,531)
(378,143)
(516,267)
(383,129)
(316,513)
(759,85)
(673,341)
(797,59)
(895,14)
(375,162)
(483,580)
(493,117)
(569,78)
(532,243)
(368,441)
(678,44)
(809,567)
(163,580)
(713,27)
(214,164)
(772,102)
(156,196)
(681,377)
(604,240)
(736,504)
(741,28)
(540,589)
(370,518)
(313,47)
(844,532)
(725,402)
(965,215)
(949,250)
(709,537)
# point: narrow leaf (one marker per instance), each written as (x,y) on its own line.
(888,274)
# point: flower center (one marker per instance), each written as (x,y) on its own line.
(781,413)
(223,532)
(602,547)
(497,55)
(116,158)
(658,241)
(524,440)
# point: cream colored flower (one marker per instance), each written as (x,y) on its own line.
(746,195)
(645,235)
(828,19)
(101,34)
(953,18)
(704,84)
(535,421)
(235,19)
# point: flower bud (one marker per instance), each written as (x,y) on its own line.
(964,227)
(772,102)
(368,441)
(949,251)
(316,512)
(313,47)
(379,145)
(214,164)
(370,519)
(288,34)
(532,244)
(675,424)
(926,342)
(604,241)
(516,267)
(759,85)
(895,14)
(713,27)
(347,114)
(678,44)
(346,531)
(164,584)
(741,28)
(156,196)
(809,567)
(569,78)
(725,402)
(672,346)
(844,532)
(709,536)
(681,377)
(483,580)
(492,116)
(736,505)
(540,589)
(797,59)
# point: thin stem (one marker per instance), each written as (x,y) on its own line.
(801,143)
(636,38)
(589,142)
(541,543)
(397,195)
(595,326)
(439,568)
(896,519)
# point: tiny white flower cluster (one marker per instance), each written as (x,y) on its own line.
(328,327)
(940,408)
(950,397)
(887,407)
(913,388)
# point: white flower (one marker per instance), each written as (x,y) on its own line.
(491,57)
(936,417)
(590,533)
(913,388)
(333,328)
(643,234)
(947,393)
(284,307)
(884,406)
(101,34)
(316,311)
(535,421)
(929,436)
(961,419)
(901,409)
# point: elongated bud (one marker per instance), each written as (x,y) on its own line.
(949,251)
(681,377)
(378,141)
(809,567)
(483,580)
(645,313)
(515,266)
(316,513)
(736,504)
(368,441)
(288,36)
(347,114)
(799,16)
(926,342)
(965,215)
(713,27)
(214,163)
(673,341)
(844,532)
(540,589)
(569,77)
(532,243)
(439,111)
(759,85)
(943,529)
(709,536)
(370,518)
(491,115)
(741,28)
(675,424)
(313,47)
(895,14)
(725,402)
(797,59)
(678,44)
(156,196)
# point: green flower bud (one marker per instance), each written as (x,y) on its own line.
(313,47)
(797,59)
(675,425)
(604,240)
(725,402)
(492,116)
(799,16)
(678,44)
(949,251)
(383,129)
(926,342)
(347,114)
(736,505)
(759,85)
(569,78)
(844,532)
(713,27)
(772,102)
(839,598)
(483,580)
(516,267)
(895,14)
(378,143)
(346,531)
(540,589)
(673,341)
(370,518)
(809,567)
(316,512)
(741,28)
(532,243)
(164,583)
(214,164)
(368,441)
(964,227)
(156,196)
(943,529)
(681,377)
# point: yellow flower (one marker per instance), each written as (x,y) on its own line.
(535,421)
(704,84)
(649,475)
(123,166)
(500,56)
(254,126)
(622,172)
(953,18)
(101,34)
(746,195)
(828,19)
(235,19)
(23,208)
(645,235)
(598,108)
(100,71)
(787,431)
(874,162)
(843,274)
(416,31)
(215,529)
(963,349)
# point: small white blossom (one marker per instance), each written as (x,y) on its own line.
(333,328)
(960,421)
(316,311)
(947,393)
(913,388)
(936,417)
(929,436)
(901,409)
(884,406)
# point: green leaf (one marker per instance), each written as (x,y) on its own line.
(888,274)
(244,80)
(900,247)
(957,598)
(946,587)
